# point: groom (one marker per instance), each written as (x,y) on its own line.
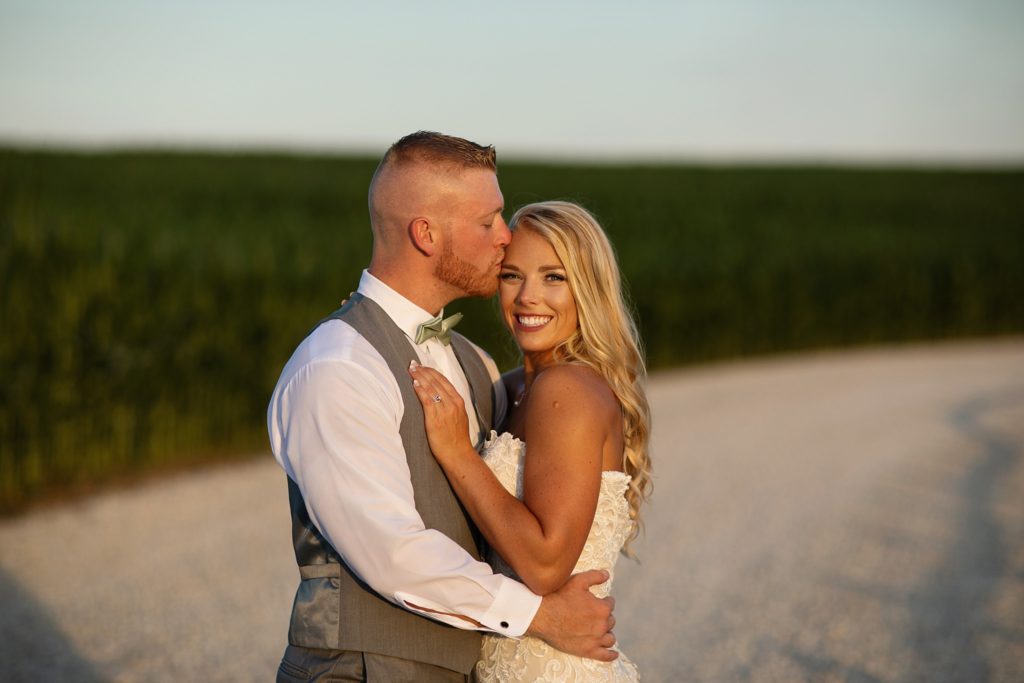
(392,586)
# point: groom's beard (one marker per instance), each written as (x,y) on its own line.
(463,275)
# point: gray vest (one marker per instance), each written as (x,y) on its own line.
(334,609)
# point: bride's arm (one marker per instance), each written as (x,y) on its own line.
(569,415)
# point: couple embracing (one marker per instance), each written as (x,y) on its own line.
(419,559)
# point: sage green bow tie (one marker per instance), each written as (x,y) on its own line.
(438,327)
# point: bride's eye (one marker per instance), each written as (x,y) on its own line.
(508,275)
(555,277)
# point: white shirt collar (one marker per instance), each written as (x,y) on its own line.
(403,312)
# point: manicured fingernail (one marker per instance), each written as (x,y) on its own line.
(413,365)
(415,382)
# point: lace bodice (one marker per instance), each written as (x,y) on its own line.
(530,659)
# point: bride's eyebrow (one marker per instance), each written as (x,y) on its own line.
(545,269)
(509,266)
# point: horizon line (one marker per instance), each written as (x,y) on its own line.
(560,157)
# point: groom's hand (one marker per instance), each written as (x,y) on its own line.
(574,620)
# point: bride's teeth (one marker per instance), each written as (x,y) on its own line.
(533,320)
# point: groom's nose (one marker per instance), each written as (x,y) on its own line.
(502,234)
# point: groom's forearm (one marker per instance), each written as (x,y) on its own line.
(472,623)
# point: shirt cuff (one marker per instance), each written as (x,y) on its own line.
(513,609)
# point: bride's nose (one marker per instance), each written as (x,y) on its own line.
(527,293)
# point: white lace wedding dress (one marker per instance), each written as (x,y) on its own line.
(529,659)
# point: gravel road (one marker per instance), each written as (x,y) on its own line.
(854,516)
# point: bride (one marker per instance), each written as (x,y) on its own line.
(573,502)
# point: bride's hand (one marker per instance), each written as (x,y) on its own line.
(444,412)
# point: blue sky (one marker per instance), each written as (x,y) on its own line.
(727,79)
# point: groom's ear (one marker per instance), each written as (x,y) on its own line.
(424,235)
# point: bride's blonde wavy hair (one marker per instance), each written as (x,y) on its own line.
(606,339)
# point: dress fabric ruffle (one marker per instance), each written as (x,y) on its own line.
(508,660)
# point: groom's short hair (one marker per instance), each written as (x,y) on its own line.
(444,150)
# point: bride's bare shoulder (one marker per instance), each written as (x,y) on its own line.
(577,386)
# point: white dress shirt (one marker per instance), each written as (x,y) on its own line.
(333,421)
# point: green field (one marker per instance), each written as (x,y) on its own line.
(149,300)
